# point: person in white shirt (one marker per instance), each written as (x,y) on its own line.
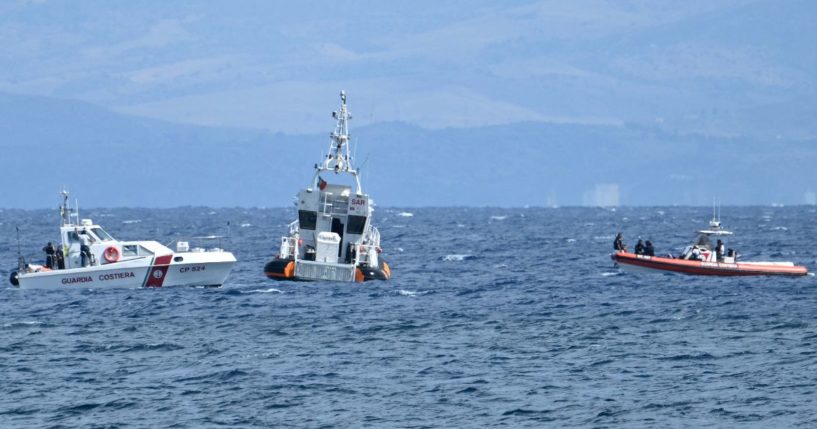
(84,247)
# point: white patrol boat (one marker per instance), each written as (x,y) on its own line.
(88,257)
(333,238)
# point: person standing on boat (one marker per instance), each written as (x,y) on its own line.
(49,255)
(639,247)
(618,245)
(648,249)
(720,250)
(84,247)
(60,259)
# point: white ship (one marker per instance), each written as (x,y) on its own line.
(333,238)
(88,257)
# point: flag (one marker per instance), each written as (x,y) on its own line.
(321,183)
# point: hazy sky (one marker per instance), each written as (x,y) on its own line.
(721,67)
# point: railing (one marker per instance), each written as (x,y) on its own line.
(319,271)
(333,204)
(289,247)
(198,240)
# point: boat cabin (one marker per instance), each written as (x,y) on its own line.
(704,249)
(103,247)
(332,222)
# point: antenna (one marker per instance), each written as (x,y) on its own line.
(21,262)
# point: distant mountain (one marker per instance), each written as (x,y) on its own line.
(721,68)
(111,159)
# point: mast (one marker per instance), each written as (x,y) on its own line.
(715,223)
(65,210)
(339,158)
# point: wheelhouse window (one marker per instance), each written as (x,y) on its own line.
(103,236)
(307,219)
(355,224)
(130,250)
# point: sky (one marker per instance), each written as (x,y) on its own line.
(728,67)
(699,96)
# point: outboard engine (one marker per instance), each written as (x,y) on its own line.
(13,278)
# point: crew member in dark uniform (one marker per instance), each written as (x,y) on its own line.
(639,247)
(49,255)
(720,250)
(60,259)
(648,249)
(618,245)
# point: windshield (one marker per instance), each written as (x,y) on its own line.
(703,241)
(104,236)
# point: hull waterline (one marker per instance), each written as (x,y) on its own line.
(643,263)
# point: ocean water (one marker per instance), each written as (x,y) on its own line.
(494,318)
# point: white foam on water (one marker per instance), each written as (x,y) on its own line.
(456,258)
(571,240)
(609,274)
(404,292)
(270,290)
(780,228)
(130,221)
(460,225)
(26,322)
(498,217)
(399,249)
(245,225)
(405,214)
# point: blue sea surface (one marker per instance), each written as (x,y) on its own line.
(494,318)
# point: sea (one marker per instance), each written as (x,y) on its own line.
(494,317)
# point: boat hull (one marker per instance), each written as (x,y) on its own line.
(180,269)
(287,269)
(641,263)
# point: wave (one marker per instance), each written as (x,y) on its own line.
(457,257)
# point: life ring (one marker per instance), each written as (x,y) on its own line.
(111,254)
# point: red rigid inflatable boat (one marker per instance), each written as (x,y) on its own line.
(631,261)
(705,259)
